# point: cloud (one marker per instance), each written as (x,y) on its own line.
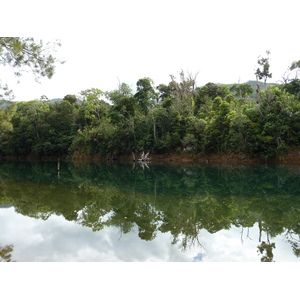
(130,40)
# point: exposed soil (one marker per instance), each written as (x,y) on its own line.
(225,159)
(291,158)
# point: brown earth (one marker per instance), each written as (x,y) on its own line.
(291,158)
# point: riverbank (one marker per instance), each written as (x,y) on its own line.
(291,158)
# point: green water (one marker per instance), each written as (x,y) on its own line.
(126,212)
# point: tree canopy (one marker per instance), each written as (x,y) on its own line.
(27,55)
(178,117)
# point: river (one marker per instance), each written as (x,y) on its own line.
(117,212)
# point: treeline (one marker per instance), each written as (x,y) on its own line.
(174,118)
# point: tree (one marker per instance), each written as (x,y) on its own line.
(242,90)
(266,250)
(118,94)
(58,129)
(122,116)
(5,253)
(26,54)
(264,72)
(28,122)
(205,95)
(7,111)
(145,94)
(94,106)
(124,103)
(216,131)
(295,67)
(293,87)
(71,98)
(184,92)
(165,92)
(161,122)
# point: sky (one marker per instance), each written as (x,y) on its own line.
(107,42)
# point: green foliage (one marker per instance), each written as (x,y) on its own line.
(293,87)
(169,118)
(189,142)
(266,249)
(93,106)
(117,95)
(26,54)
(6,253)
(242,90)
(145,94)
(43,129)
(71,98)
(295,65)
(206,95)
(183,93)
(7,111)
(264,64)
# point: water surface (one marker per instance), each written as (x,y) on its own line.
(125,212)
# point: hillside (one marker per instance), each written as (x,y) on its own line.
(253,84)
(262,85)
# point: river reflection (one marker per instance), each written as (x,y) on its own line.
(117,212)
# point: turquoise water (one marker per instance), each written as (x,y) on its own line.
(154,212)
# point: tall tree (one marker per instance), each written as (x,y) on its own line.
(93,103)
(27,54)
(184,92)
(263,70)
(71,98)
(7,111)
(116,96)
(145,94)
(293,69)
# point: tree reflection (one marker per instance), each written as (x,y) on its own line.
(6,253)
(294,239)
(179,200)
(266,249)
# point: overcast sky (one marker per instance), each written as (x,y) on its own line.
(104,42)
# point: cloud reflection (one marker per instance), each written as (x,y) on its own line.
(57,240)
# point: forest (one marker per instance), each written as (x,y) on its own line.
(179,118)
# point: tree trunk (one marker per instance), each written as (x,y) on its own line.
(154,128)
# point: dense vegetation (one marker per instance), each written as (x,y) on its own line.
(170,118)
(174,118)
